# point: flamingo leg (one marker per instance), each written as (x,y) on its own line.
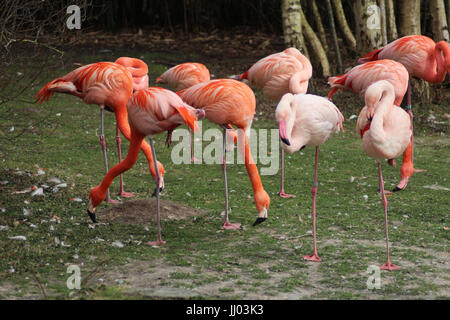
(315,255)
(192,137)
(119,151)
(226,225)
(388,265)
(409,110)
(103,145)
(281,193)
(159,240)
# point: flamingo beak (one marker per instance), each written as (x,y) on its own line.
(282,130)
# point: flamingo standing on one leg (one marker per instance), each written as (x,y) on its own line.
(422,57)
(230,102)
(277,74)
(386,132)
(359,78)
(151,111)
(109,85)
(183,76)
(307,120)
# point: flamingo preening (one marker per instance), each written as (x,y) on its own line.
(421,56)
(285,72)
(359,78)
(109,85)
(150,111)
(230,102)
(386,132)
(307,120)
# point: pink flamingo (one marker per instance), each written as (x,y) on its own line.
(183,76)
(307,120)
(109,85)
(386,132)
(150,111)
(277,74)
(422,57)
(359,78)
(230,102)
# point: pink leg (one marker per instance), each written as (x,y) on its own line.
(159,240)
(388,265)
(119,151)
(226,225)
(315,255)
(281,193)
(103,145)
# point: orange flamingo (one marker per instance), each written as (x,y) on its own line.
(277,74)
(150,111)
(109,85)
(183,76)
(386,132)
(422,57)
(307,120)
(226,102)
(359,78)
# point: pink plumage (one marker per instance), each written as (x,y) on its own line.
(359,78)
(184,75)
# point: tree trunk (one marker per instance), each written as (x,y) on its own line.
(368,25)
(439,21)
(409,17)
(292,24)
(391,26)
(448,13)
(319,24)
(316,46)
(334,35)
(382,4)
(349,38)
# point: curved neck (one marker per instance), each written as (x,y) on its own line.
(382,108)
(442,55)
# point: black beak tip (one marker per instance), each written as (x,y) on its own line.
(397,189)
(154,192)
(258,221)
(92,216)
(286,141)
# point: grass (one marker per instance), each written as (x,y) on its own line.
(199,259)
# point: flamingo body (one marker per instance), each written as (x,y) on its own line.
(184,75)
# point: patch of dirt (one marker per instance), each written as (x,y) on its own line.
(143,211)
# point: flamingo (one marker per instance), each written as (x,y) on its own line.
(109,85)
(385,132)
(230,102)
(422,57)
(277,74)
(307,120)
(150,111)
(359,78)
(183,76)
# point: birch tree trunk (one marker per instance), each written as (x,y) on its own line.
(382,5)
(409,17)
(334,35)
(319,25)
(292,24)
(368,25)
(439,21)
(391,26)
(348,36)
(316,45)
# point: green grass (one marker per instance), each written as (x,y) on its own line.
(199,257)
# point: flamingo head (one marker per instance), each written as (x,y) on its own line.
(284,117)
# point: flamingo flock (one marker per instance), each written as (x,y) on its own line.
(381,79)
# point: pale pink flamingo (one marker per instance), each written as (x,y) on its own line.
(277,74)
(230,102)
(183,76)
(109,85)
(359,78)
(307,120)
(150,111)
(421,56)
(386,132)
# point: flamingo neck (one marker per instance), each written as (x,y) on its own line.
(382,110)
(442,55)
